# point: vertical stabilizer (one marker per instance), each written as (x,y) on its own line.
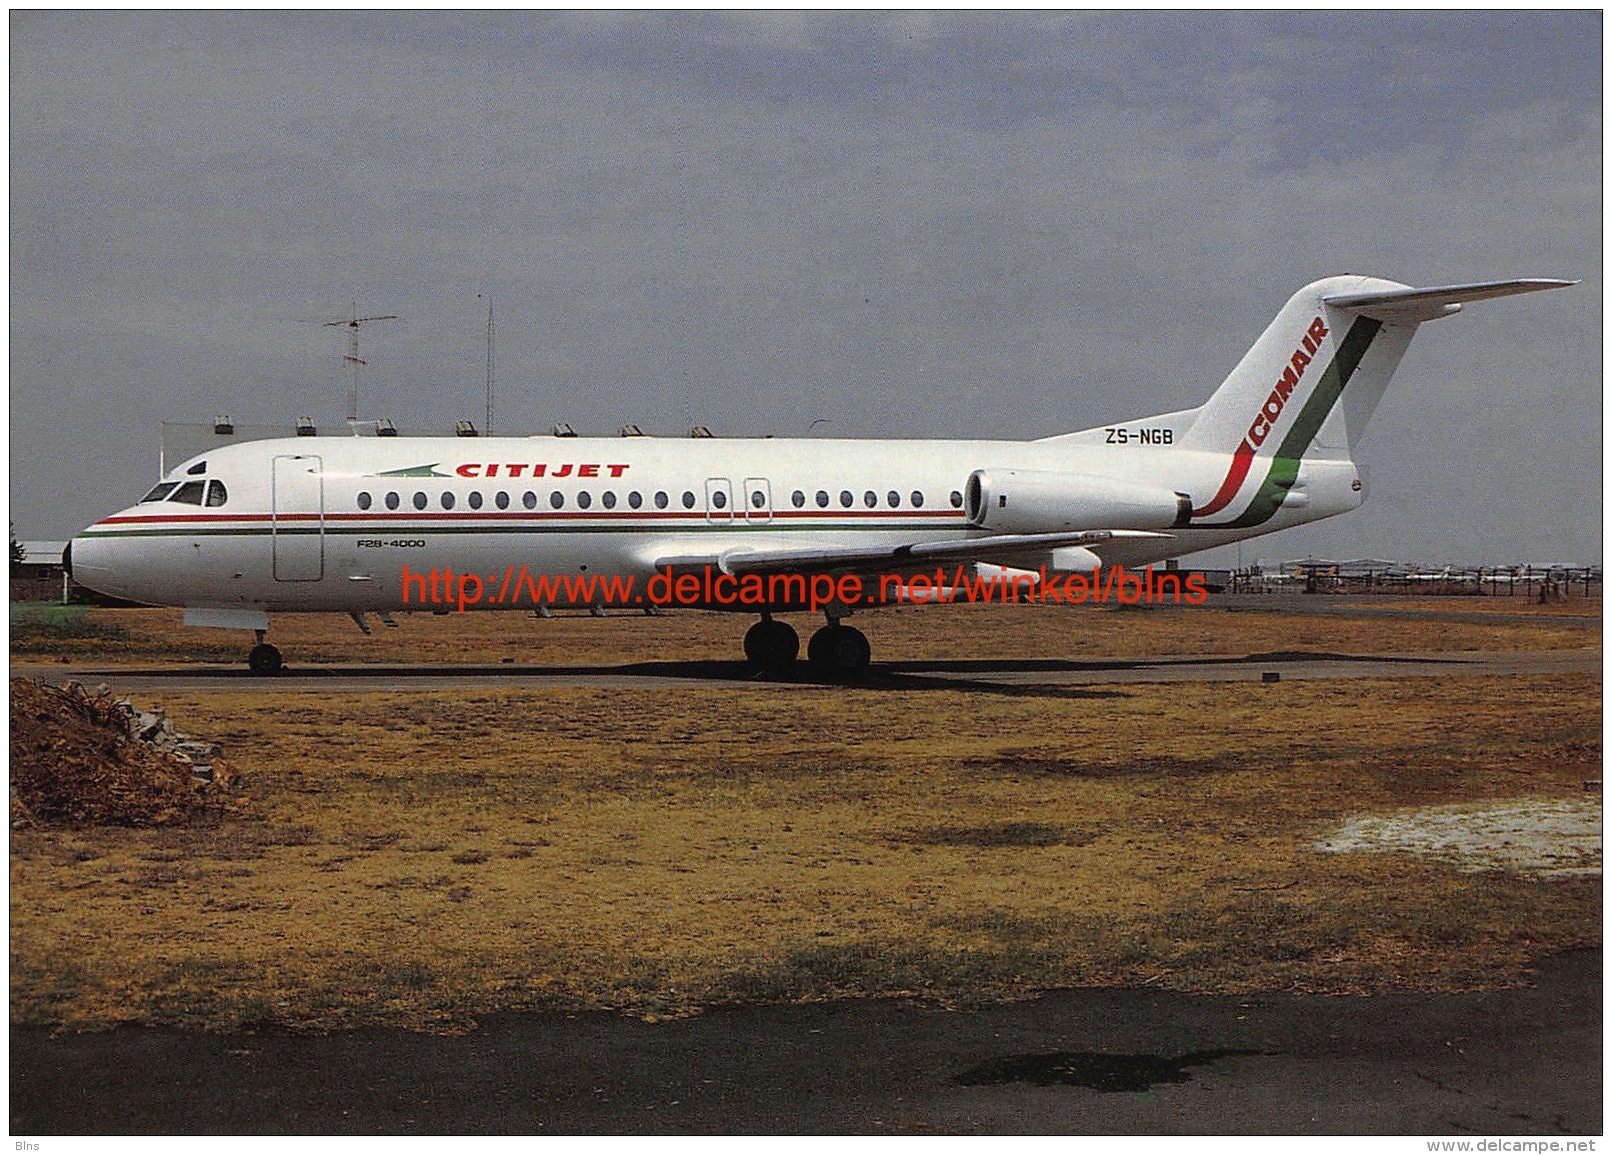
(1312,381)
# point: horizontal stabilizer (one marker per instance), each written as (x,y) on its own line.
(1413,306)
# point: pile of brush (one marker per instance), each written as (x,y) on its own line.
(83,758)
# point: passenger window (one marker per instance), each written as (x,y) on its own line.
(584,499)
(557,500)
(502,500)
(217,495)
(846,499)
(957,500)
(635,499)
(447,499)
(529,499)
(718,499)
(419,501)
(688,499)
(392,501)
(917,499)
(870,499)
(364,501)
(822,499)
(797,499)
(609,499)
(894,499)
(475,499)
(660,499)
(190,493)
(758,499)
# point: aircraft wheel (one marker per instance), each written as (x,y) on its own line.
(839,650)
(771,645)
(264,659)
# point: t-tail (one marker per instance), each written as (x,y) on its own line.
(1311,382)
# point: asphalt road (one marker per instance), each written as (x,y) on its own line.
(948,674)
(1111,1062)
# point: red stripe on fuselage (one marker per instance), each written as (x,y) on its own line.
(1241,462)
(737,515)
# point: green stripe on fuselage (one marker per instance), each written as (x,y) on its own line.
(1284,469)
(413,471)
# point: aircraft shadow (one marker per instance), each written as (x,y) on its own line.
(710,672)
(955,674)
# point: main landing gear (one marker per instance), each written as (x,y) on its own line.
(838,649)
(835,650)
(264,658)
(770,644)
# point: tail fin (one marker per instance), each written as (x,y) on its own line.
(1312,380)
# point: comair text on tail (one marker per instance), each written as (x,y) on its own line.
(373,525)
(1311,382)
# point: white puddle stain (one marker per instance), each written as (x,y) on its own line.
(1539,838)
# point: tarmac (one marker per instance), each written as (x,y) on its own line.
(947,674)
(1080,1062)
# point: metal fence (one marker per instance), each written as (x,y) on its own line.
(1543,584)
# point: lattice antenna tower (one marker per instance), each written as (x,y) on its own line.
(489,425)
(352,359)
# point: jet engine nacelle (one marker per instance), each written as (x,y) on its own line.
(1037,501)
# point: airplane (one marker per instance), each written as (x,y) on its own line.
(365,524)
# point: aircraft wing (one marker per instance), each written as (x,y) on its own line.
(1023,549)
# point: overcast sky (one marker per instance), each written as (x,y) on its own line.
(911,225)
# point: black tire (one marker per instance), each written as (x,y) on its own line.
(839,650)
(771,645)
(264,659)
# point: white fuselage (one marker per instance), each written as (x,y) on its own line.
(380,523)
(330,523)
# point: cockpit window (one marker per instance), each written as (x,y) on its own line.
(216,494)
(190,493)
(157,494)
(199,467)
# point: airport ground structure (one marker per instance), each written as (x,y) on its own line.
(1547,582)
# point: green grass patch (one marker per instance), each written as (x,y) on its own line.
(39,625)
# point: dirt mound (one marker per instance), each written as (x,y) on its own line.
(76,760)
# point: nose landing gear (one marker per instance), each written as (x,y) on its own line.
(264,658)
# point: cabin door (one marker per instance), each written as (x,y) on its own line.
(297,519)
(757,500)
(718,501)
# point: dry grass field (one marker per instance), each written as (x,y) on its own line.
(417,859)
(901,633)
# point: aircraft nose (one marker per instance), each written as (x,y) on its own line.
(91,562)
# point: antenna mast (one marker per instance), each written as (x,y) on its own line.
(352,358)
(489,424)
(489,368)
